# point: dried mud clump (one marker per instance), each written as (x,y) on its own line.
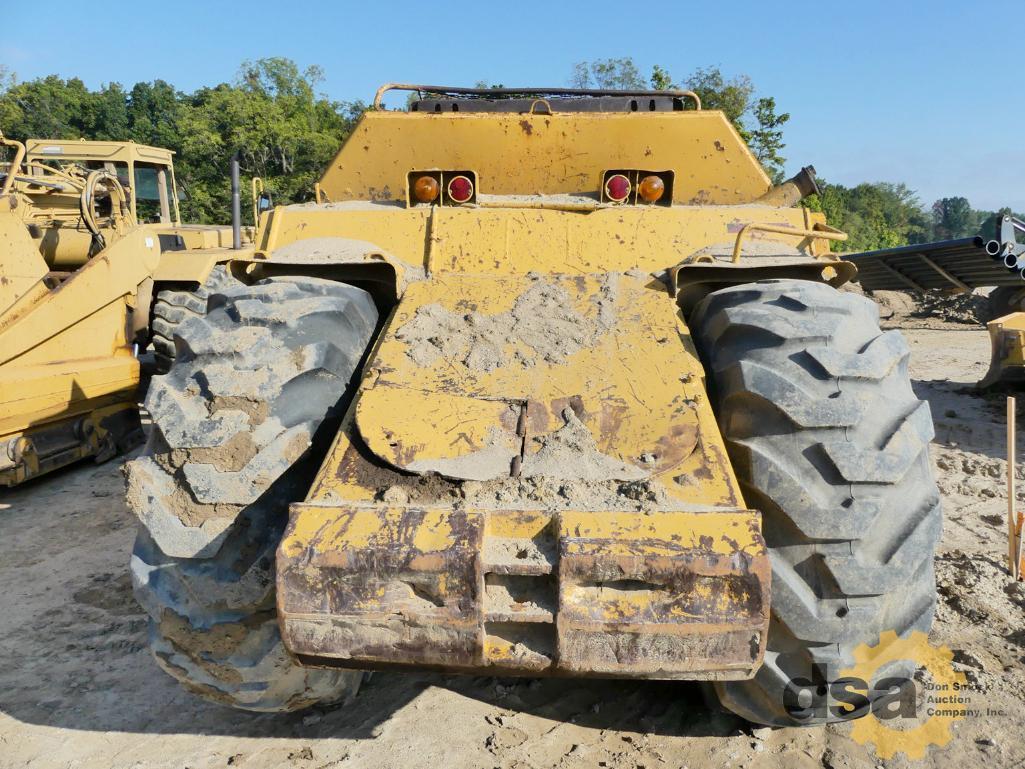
(904,306)
(543,325)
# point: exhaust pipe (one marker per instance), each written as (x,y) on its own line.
(792,191)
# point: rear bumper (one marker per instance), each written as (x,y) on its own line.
(661,595)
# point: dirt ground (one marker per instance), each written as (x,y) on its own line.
(79,689)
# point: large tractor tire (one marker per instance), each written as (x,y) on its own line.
(171,308)
(240,425)
(830,443)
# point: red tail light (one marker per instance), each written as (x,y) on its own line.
(617,188)
(460,189)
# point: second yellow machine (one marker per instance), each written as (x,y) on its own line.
(95,265)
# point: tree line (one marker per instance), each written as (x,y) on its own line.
(286,132)
(272,115)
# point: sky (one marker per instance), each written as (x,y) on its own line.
(913,92)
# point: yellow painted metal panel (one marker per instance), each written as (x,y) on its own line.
(31,395)
(518,241)
(546,154)
(109,277)
(360,529)
(654,595)
(1007,349)
(635,388)
(100,334)
(394,229)
(62,149)
(459,436)
(192,265)
(610,239)
(66,351)
(21,267)
(650,533)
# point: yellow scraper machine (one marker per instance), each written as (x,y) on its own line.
(550,382)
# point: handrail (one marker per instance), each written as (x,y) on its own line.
(548,105)
(823,231)
(525,92)
(19,157)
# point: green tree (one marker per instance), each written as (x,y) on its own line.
(7,79)
(50,107)
(618,74)
(155,113)
(271,115)
(661,80)
(879,215)
(955,218)
(766,137)
(989,222)
(282,130)
(756,119)
(732,97)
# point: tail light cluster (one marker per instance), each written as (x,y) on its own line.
(457,188)
(445,188)
(634,186)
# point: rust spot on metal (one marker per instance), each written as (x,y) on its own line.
(528,129)
(723,463)
(574,402)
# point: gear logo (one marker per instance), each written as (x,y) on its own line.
(945,702)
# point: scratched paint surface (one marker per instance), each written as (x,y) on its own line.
(663,595)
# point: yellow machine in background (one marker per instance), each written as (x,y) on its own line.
(61,222)
(83,288)
(552,382)
(1007,350)
(68,375)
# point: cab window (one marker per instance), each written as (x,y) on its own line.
(152,193)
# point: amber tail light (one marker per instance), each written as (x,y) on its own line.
(426,189)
